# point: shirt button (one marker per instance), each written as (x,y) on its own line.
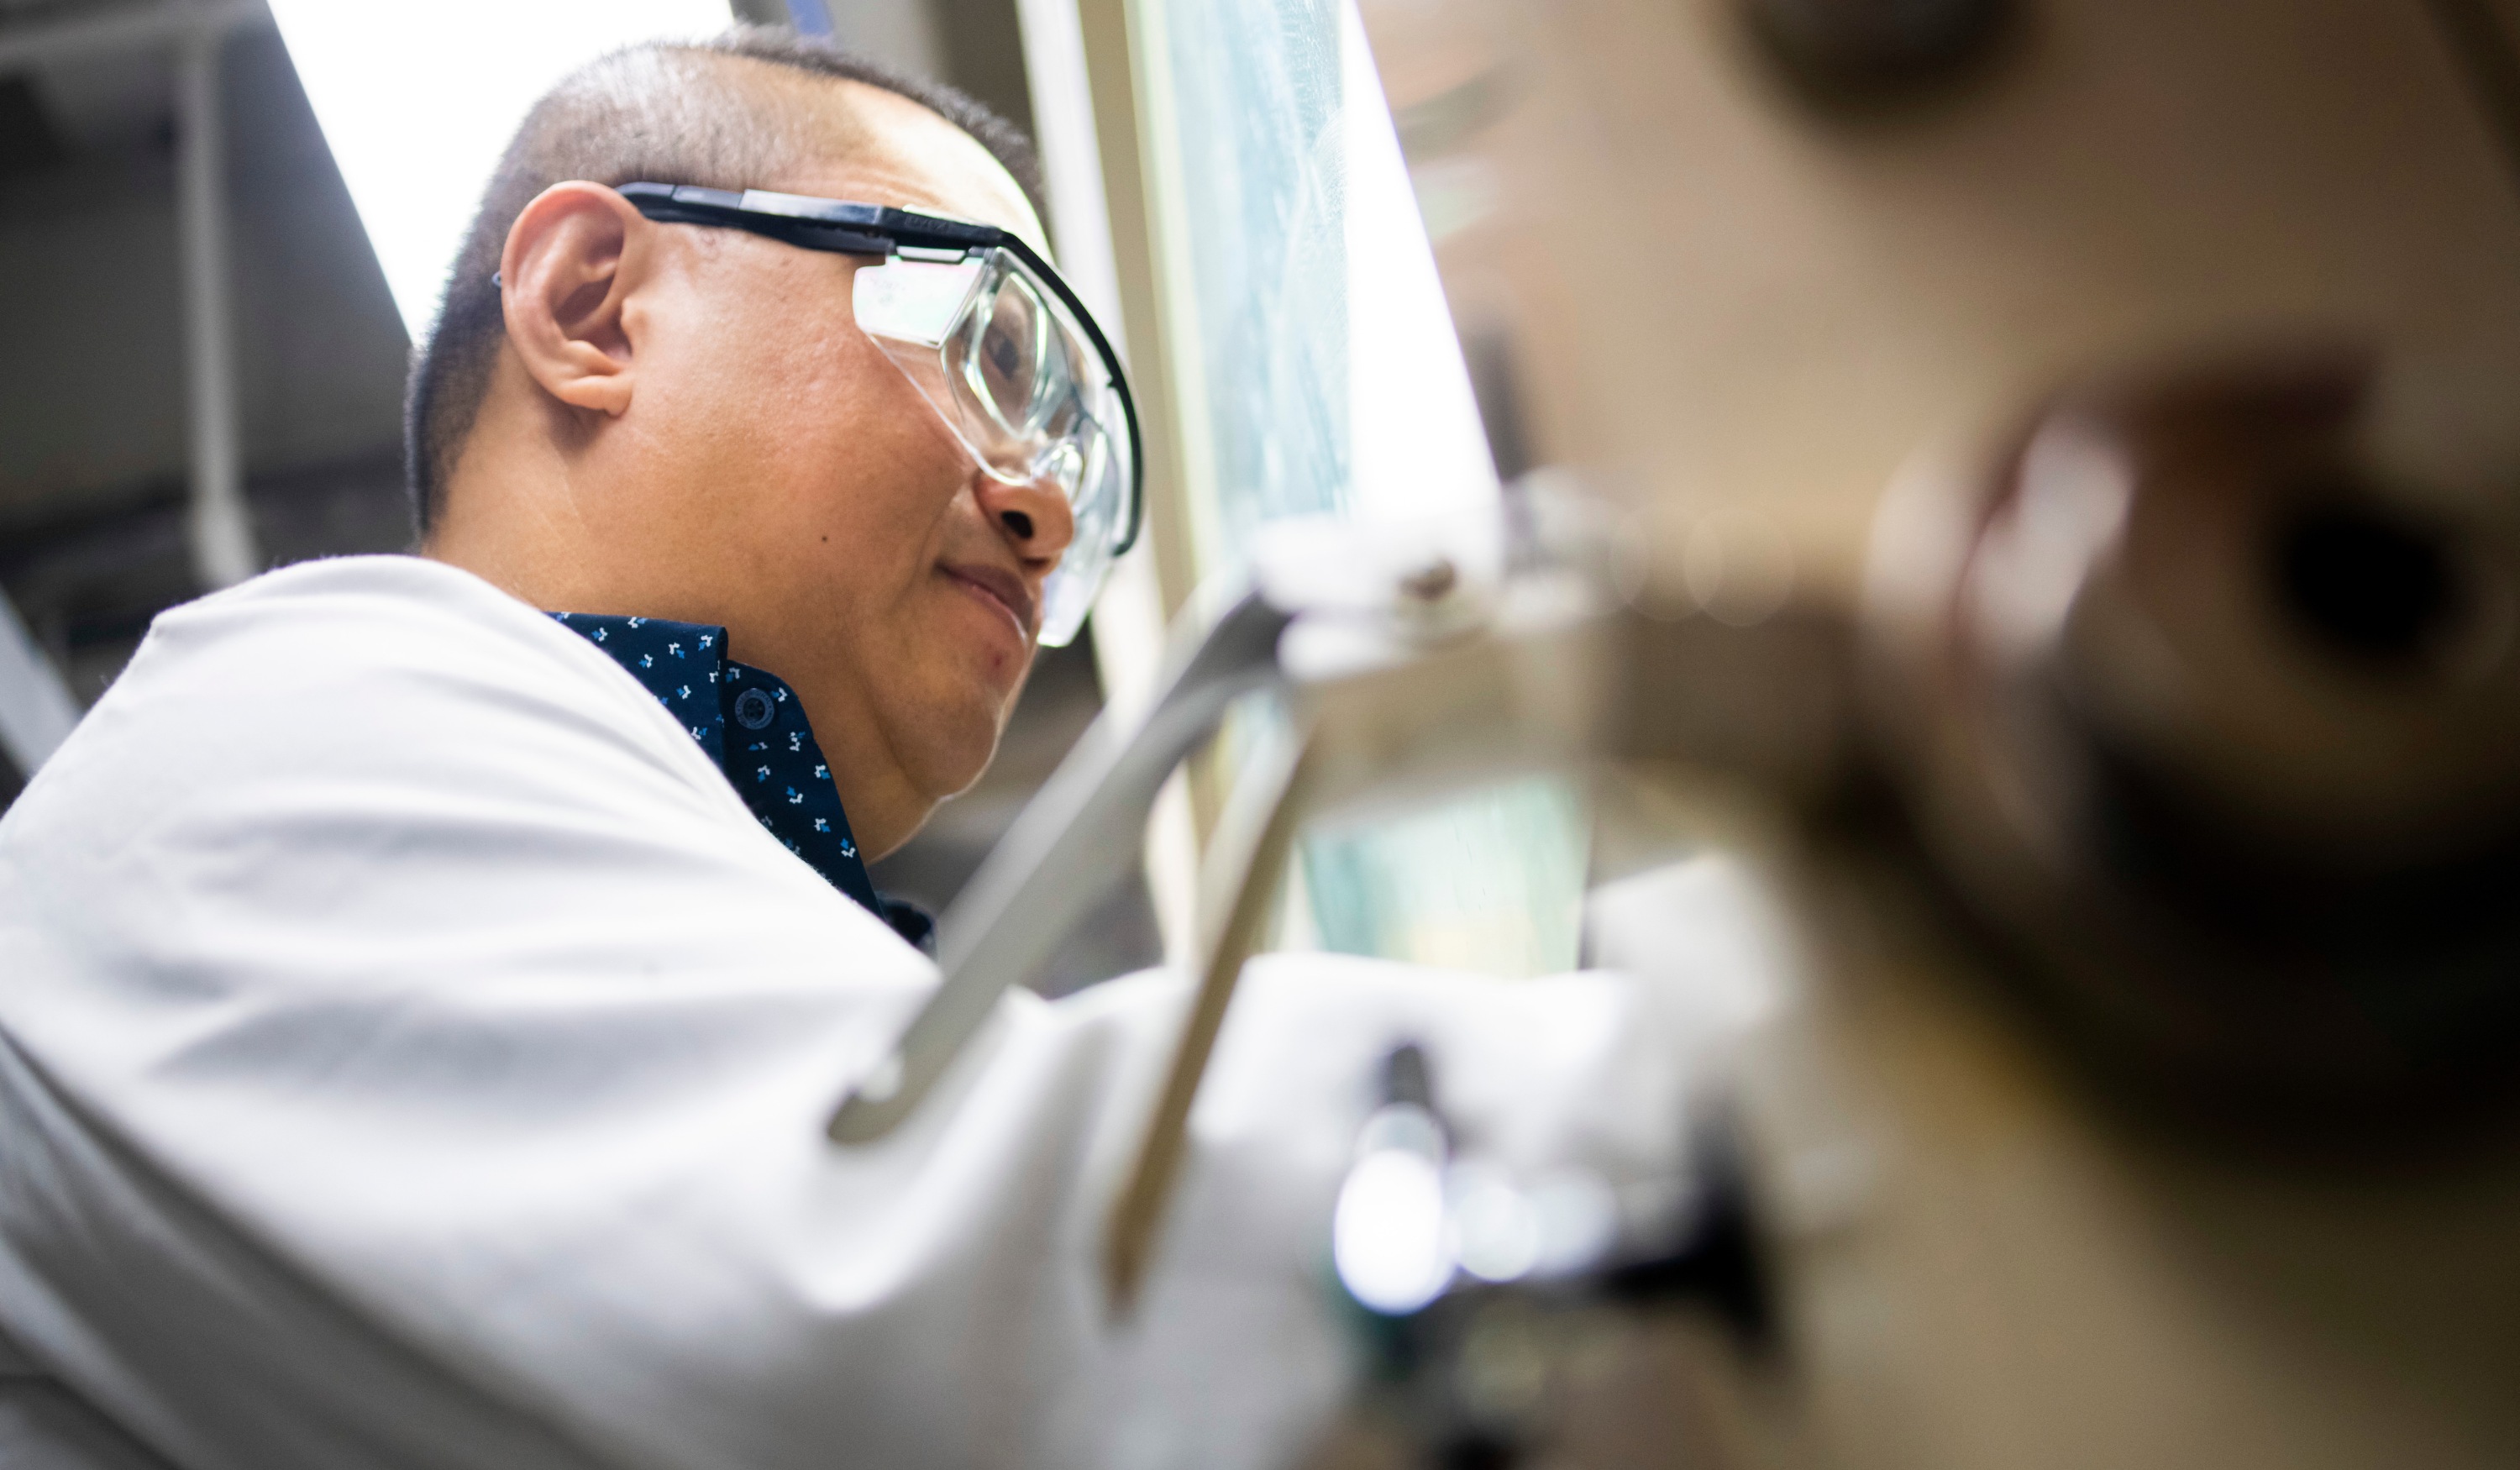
(753,709)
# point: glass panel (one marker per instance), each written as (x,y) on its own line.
(1255,88)
(1322,375)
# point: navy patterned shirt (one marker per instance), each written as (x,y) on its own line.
(754,728)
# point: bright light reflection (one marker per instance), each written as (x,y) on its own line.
(1495,1234)
(1387,1234)
(418,101)
(1417,445)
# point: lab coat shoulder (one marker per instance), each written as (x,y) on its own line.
(376,941)
(394,758)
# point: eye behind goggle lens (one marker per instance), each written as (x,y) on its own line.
(1018,359)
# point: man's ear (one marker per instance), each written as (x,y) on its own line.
(574,257)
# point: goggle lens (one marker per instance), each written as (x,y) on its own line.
(1021,388)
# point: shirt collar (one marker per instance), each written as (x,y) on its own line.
(752,725)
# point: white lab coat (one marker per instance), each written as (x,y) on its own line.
(413,1054)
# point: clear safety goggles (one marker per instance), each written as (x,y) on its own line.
(995,341)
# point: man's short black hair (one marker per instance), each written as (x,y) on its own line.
(668,111)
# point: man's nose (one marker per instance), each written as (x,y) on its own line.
(1033,515)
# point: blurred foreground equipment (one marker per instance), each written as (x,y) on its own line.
(2032,482)
(2073,448)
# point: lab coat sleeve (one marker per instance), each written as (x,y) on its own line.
(413,1054)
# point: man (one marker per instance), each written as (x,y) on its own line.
(419,1012)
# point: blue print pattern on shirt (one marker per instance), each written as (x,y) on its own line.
(660,656)
(754,728)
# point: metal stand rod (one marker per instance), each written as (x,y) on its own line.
(1075,840)
(1249,858)
(217,527)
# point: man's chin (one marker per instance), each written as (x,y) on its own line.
(953,761)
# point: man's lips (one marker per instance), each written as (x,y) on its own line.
(1003,588)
